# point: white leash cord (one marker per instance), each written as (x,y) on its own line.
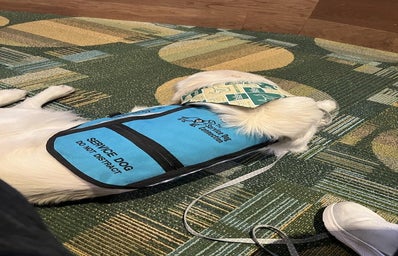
(253,240)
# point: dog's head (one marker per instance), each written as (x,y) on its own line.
(279,116)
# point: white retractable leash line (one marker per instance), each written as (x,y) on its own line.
(284,239)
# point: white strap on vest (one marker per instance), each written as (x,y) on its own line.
(253,240)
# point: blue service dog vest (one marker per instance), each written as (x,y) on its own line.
(134,150)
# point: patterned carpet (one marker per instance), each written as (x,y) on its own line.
(115,65)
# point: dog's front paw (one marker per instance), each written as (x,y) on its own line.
(60,89)
(10,96)
(14,93)
(18,93)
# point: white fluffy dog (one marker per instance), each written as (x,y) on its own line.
(26,127)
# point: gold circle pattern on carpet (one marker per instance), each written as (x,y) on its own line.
(226,52)
(3,21)
(79,31)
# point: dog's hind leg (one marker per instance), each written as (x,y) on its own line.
(10,96)
(49,94)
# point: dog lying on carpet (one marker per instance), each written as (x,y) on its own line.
(284,123)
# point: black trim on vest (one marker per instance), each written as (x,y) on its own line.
(160,154)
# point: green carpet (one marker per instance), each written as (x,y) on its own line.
(115,65)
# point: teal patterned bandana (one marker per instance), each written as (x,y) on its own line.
(239,93)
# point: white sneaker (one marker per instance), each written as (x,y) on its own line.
(361,229)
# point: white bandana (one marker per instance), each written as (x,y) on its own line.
(239,93)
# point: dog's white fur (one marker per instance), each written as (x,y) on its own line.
(26,127)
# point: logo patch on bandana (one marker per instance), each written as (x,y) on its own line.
(239,93)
